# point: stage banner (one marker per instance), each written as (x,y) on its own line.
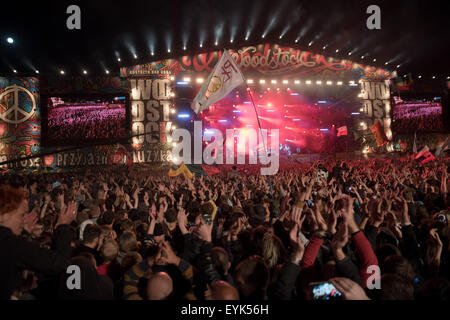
(266,60)
(376,106)
(151,101)
(20,123)
(20,126)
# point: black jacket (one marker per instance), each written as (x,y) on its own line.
(17,254)
(82,248)
(284,288)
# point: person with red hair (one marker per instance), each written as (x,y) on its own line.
(18,254)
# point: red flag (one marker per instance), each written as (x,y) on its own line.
(424,155)
(342,131)
(379,134)
(210,170)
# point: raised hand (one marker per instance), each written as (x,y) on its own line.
(332,221)
(348,214)
(406,219)
(435,237)
(68,215)
(320,221)
(152,212)
(168,255)
(180,202)
(378,214)
(182,220)
(297,244)
(203,231)
(29,221)
(349,289)
(340,239)
(295,214)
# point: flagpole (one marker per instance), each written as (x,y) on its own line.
(257,117)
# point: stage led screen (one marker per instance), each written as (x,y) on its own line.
(307,116)
(82,120)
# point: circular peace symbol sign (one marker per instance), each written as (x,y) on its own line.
(6,111)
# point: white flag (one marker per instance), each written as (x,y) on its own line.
(225,76)
(442,147)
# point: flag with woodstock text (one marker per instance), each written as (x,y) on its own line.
(225,76)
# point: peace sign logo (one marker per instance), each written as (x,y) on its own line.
(11,110)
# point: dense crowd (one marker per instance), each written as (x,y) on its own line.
(81,123)
(234,235)
(418,117)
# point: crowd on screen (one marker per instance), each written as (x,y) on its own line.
(87,122)
(139,236)
(418,117)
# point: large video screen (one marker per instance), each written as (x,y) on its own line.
(417,116)
(78,120)
(307,116)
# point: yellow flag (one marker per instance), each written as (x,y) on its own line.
(182,169)
(186,172)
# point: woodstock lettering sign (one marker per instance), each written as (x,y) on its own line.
(264,58)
